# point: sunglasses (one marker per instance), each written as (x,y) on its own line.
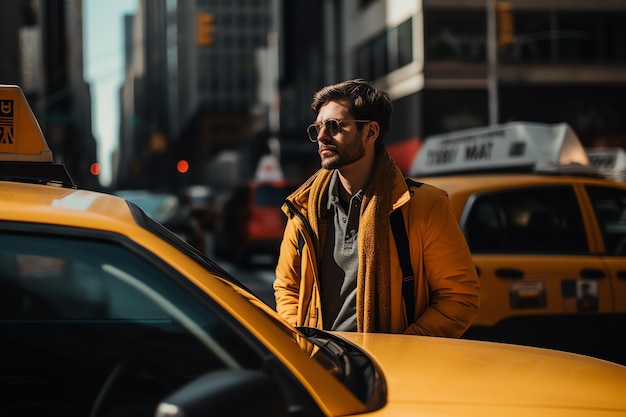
(332,127)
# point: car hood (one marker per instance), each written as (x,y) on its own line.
(439,376)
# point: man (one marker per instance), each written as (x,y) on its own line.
(338,267)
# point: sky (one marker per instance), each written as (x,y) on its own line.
(103,26)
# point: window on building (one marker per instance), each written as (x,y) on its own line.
(362,59)
(455,35)
(405,43)
(364,3)
(386,52)
(567,37)
(379,67)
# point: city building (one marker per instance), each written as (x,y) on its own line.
(191,90)
(214,83)
(454,64)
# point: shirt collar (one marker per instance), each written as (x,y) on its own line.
(333,191)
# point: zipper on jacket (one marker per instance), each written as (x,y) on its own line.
(294,211)
(314,318)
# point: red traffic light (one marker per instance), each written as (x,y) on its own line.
(94,168)
(182,166)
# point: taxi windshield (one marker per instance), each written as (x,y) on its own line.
(345,361)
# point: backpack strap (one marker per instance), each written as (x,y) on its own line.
(408,279)
(404,257)
(412,183)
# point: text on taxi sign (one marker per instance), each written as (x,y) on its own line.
(6,122)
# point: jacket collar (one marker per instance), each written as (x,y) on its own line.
(398,190)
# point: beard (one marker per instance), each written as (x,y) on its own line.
(344,154)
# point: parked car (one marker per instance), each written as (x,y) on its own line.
(251,222)
(547,234)
(119,317)
(172,212)
(203,203)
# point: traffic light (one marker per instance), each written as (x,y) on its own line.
(205,28)
(94,169)
(504,24)
(182,166)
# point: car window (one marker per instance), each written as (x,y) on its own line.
(86,322)
(609,205)
(526,220)
(161,207)
(269,195)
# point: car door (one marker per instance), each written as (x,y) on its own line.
(537,271)
(609,207)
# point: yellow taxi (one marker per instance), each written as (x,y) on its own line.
(104,312)
(547,234)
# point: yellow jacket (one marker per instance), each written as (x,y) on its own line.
(446,283)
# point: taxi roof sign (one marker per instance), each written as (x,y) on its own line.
(610,162)
(514,146)
(21,138)
(24,152)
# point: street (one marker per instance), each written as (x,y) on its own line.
(258,276)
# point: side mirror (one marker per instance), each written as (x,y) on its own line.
(226,393)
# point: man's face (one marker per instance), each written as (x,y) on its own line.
(346,147)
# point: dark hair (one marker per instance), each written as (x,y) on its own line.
(366,102)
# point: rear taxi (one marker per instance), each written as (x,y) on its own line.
(105,312)
(547,234)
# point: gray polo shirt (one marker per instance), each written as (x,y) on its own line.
(340,260)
